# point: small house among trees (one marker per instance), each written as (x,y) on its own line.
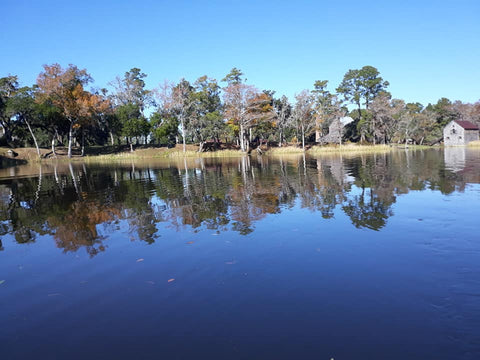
(335,131)
(460,133)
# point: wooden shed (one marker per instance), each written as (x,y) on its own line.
(460,133)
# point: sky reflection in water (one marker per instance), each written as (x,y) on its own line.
(293,257)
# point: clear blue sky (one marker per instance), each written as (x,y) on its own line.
(425,49)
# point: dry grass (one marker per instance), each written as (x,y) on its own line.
(413,147)
(29,154)
(285,150)
(474,143)
(349,148)
(164,153)
(208,154)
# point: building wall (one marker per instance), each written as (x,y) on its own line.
(471,135)
(453,134)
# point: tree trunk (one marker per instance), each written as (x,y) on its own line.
(7,134)
(200,146)
(303,138)
(131,146)
(70,138)
(83,143)
(111,138)
(373,131)
(55,137)
(242,140)
(34,138)
(183,135)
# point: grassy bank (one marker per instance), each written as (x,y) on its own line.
(474,144)
(174,154)
(327,149)
(161,153)
(107,153)
(348,148)
(112,153)
(285,150)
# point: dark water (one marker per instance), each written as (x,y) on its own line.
(358,257)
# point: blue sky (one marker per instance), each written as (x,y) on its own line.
(425,49)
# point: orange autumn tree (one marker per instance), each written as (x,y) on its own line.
(260,113)
(64,88)
(91,106)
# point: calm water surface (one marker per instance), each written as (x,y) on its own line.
(353,257)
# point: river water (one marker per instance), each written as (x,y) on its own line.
(372,256)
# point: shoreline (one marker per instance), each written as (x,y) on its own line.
(29,155)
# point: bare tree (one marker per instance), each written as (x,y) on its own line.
(303,114)
(236,98)
(283,112)
(178,100)
(384,114)
(131,89)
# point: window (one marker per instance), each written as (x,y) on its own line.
(453,131)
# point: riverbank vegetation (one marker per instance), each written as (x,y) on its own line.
(474,143)
(60,116)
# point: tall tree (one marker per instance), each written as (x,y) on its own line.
(283,112)
(303,114)
(206,120)
(8,87)
(182,102)
(260,114)
(383,118)
(164,127)
(93,107)
(445,111)
(326,107)
(131,89)
(64,88)
(362,85)
(134,124)
(234,77)
(22,106)
(236,96)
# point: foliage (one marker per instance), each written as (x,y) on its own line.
(164,128)
(131,89)
(362,86)
(60,108)
(134,124)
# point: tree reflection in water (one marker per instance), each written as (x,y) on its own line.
(80,205)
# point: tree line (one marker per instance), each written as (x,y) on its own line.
(60,109)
